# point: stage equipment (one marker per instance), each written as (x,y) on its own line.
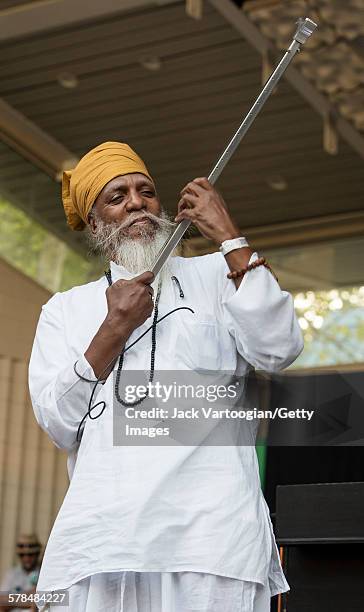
(320,529)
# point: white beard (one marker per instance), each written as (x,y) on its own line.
(138,253)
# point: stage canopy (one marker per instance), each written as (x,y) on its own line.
(174,79)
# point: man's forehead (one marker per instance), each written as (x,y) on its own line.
(135,178)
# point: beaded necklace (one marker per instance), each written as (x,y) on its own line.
(153,327)
(152,351)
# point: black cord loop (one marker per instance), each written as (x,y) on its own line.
(152,327)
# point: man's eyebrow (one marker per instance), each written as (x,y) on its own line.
(141,183)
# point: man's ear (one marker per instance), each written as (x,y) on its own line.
(92,221)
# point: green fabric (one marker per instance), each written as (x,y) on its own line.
(261,453)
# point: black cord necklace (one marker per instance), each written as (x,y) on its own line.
(91,408)
(152,351)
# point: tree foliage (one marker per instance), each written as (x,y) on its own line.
(40,255)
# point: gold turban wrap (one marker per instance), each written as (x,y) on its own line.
(82,185)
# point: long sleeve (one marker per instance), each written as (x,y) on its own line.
(261,318)
(59,397)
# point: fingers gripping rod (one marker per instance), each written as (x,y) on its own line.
(305,28)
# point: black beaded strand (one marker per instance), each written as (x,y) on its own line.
(152,352)
(152,327)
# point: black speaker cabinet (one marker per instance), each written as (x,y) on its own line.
(321,527)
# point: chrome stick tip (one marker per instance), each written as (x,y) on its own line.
(306,28)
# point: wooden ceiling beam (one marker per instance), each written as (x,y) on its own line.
(35,17)
(319,102)
(194,8)
(26,138)
(257,5)
(294,233)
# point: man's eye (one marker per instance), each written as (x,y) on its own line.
(149,194)
(116,198)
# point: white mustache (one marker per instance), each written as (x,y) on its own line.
(136,253)
(119,230)
(133,217)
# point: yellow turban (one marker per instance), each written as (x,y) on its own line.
(82,185)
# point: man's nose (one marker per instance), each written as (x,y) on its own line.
(135,201)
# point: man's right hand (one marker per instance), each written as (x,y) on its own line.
(130,302)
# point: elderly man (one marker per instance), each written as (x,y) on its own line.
(156,528)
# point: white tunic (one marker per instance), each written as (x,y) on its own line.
(161,508)
(164,592)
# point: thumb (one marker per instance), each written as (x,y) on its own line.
(146,277)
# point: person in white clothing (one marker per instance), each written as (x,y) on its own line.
(156,527)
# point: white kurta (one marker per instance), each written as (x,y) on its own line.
(164,592)
(161,508)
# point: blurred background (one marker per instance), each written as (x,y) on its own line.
(174,79)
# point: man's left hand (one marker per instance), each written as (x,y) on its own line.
(205,208)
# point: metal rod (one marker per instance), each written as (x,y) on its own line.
(305,28)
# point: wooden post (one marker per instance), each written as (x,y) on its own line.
(194,8)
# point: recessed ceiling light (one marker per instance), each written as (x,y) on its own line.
(151,63)
(278,183)
(68,80)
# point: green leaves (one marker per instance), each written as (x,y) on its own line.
(36,252)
